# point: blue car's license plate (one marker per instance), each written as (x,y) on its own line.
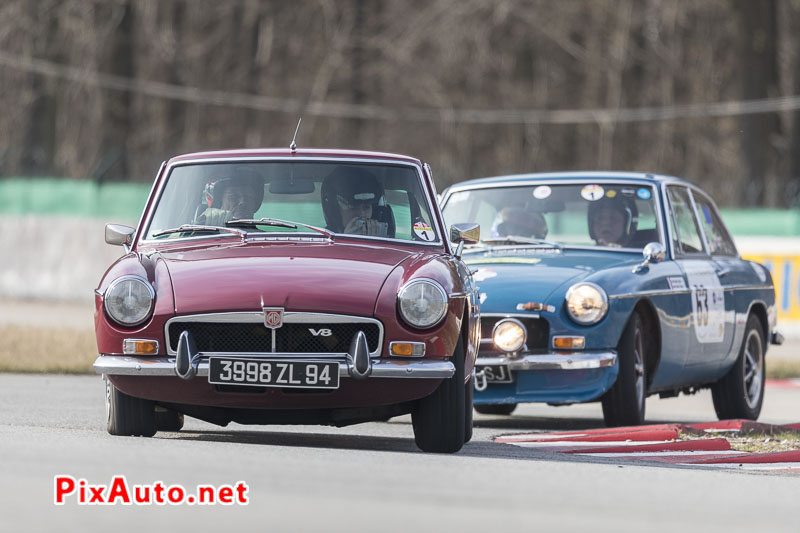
(496,373)
(273,373)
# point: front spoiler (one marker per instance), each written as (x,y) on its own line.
(126,365)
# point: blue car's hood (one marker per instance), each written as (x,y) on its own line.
(510,277)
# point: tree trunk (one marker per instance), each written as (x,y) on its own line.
(759,75)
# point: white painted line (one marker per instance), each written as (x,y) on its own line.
(749,466)
(543,436)
(586,443)
(661,454)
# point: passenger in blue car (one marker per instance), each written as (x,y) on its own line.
(519,222)
(613,221)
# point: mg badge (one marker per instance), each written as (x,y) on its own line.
(273,317)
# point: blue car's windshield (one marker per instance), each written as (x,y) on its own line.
(577,214)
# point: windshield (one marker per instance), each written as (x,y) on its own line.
(584,214)
(368,200)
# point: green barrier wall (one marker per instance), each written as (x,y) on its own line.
(55,196)
(125,201)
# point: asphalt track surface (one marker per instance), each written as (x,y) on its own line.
(368,477)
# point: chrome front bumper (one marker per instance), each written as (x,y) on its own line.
(126,365)
(552,361)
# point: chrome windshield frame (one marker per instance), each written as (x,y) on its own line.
(148,217)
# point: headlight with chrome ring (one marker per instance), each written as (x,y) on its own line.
(129,300)
(509,335)
(422,303)
(587,303)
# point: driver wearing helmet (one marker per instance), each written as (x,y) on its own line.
(518,222)
(350,199)
(237,196)
(613,221)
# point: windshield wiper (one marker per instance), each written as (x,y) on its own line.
(277,222)
(185,228)
(512,239)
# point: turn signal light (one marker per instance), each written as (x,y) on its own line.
(569,343)
(407,349)
(139,347)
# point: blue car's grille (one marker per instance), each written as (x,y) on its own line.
(538,334)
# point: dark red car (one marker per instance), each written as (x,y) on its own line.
(290,287)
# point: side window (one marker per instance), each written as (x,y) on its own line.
(719,241)
(401,210)
(685,233)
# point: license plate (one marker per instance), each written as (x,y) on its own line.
(273,373)
(496,374)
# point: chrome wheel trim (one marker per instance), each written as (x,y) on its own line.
(638,367)
(753,362)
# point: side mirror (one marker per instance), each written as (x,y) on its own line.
(464,233)
(119,235)
(653,252)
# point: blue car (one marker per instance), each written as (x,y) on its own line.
(607,286)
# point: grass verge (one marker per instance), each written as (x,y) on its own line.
(56,350)
(782,369)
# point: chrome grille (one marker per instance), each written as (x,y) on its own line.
(300,333)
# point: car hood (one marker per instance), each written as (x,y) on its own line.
(325,277)
(509,277)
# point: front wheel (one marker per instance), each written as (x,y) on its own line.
(623,404)
(128,416)
(439,420)
(496,409)
(740,393)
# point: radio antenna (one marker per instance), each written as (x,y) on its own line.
(293,146)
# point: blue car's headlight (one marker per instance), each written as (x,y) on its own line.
(422,303)
(129,300)
(587,303)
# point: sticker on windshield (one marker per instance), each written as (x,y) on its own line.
(541,192)
(423,231)
(611,193)
(628,191)
(643,193)
(592,192)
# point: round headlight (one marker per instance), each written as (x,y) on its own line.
(422,303)
(509,335)
(587,303)
(128,300)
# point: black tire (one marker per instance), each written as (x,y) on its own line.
(496,409)
(128,416)
(439,419)
(740,393)
(624,403)
(168,420)
(469,393)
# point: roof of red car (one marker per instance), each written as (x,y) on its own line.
(286,152)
